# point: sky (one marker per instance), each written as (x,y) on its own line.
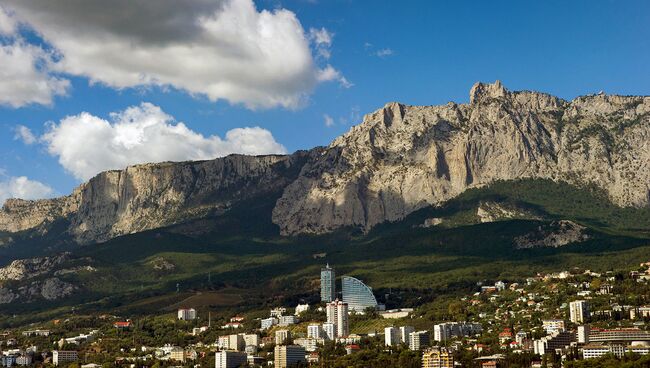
(86,87)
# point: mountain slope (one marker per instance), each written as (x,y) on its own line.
(149,196)
(399,160)
(403,158)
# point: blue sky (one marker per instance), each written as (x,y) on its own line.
(417,52)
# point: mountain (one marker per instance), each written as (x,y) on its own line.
(150,196)
(403,158)
(400,159)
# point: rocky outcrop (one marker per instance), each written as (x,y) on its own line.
(554,235)
(28,268)
(403,158)
(149,196)
(49,289)
(492,212)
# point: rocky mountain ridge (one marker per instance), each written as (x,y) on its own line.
(149,196)
(403,158)
(399,159)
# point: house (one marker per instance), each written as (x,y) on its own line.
(122,325)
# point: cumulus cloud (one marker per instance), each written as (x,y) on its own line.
(24,134)
(24,78)
(224,49)
(24,188)
(330,74)
(86,144)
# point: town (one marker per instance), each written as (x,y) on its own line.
(561,319)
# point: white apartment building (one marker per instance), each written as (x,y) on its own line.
(187,314)
(578,311)
(391,336)
(337,313)
(553,325)
(64,356)
(314,332)
(329,331)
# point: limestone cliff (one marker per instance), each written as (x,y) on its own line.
(402,158)
(149,196)
(399,159)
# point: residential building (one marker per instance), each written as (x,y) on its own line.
(177,354)
(404,332)
(236,342)
(357,295)
(583,334)
(300,308)
(591,351)
(251,340)
(310,344)
(64,356)
(282,337)
(327,284)
(621,335)
(553,325)
(337,313)
(315,332)
(187,314)
(229,359)
(287,320)
(122,325)
(36,333)
(559,340)
(8,360)
(289,355)
(418,340)
(352,348)
(437,358)
(278,312)
(24,360)
(329,331)
(392,336)
(268,323)
(640,312)
(579,311)
(448,330)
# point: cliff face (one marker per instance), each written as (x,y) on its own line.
(153,195)
(402,158)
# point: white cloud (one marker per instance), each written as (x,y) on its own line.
(329,121)
(24,134)
(24,188)
(384,52)
(24,78)
(219,49)
(330,74)
(86,145)
(7,23)
(322,40)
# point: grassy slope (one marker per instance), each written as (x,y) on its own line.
(242,252)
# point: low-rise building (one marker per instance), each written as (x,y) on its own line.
(268,323)
(64,356)
(437,358)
